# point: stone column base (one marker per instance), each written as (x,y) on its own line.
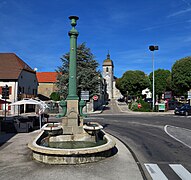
(72,126)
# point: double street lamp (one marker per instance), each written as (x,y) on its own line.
(153,48)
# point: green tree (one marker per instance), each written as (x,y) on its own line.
(55,96)
(87,74)
(133,82)
(162,81)
(181,76)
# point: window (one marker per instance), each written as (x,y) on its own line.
(107,69)
(29,90)
(34,91)
(19,89)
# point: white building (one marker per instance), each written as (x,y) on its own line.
(108,75)
(19,77)
(147,93)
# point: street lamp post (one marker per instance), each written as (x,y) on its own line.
(153,48)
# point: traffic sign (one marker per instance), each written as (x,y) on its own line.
(95,97)
(85,95)
(139,105)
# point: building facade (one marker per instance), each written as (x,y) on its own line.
(47,83)
(20,79)
(108,75)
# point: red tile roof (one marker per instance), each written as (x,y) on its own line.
(11,66)
(47,77)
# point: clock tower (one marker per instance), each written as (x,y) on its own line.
(108,75)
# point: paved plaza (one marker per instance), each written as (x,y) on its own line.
(16,163)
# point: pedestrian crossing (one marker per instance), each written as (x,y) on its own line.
(157,174)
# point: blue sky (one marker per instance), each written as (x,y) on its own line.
(37,31)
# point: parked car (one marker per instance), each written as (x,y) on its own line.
(183,110)
(172,104)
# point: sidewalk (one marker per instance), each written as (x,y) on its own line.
(124,108)
(16,163)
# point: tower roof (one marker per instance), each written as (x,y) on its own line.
(108,61)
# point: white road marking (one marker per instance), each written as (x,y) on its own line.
(165,129)
(181,171)
(176,116)
(93,118)
(155,172)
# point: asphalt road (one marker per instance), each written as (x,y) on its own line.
(145,135)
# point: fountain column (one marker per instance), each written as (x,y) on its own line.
(73,33)
(72,122)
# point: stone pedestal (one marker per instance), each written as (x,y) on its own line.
(72,123)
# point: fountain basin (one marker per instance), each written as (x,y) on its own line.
(92,126)
(52,128)
(51,155)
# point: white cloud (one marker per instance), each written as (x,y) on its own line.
(181,12)
(186,2)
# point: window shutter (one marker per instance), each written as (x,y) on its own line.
(10,90)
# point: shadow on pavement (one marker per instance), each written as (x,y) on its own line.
(4,138)
(106,108)
(105,125)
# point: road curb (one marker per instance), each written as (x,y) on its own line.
(133,155)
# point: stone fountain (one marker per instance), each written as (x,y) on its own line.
(72,141)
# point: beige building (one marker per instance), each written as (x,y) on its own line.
(47,83)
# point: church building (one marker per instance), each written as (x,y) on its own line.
(108,75)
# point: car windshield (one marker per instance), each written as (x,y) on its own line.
(186,106)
